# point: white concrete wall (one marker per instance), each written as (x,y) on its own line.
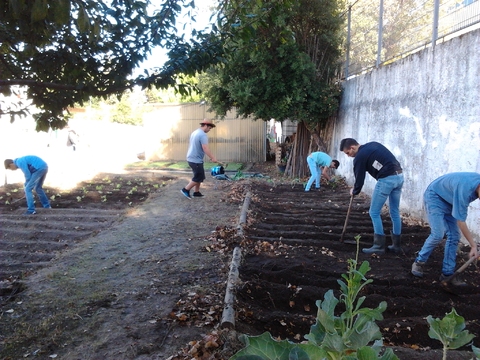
(426,110)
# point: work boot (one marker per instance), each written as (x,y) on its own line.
(417,268)
(455,281)
(378,245)
(396,242)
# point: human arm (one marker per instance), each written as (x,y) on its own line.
(209,153)
(468,235)
(325,173)
(359,170)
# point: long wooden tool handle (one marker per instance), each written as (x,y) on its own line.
(464,266)
(346,219)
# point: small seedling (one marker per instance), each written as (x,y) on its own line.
(449,331)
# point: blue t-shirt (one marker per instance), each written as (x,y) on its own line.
(458,189)
(321,159)
(375,159)
(29,164)
(195,153)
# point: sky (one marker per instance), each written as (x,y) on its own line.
(203,13)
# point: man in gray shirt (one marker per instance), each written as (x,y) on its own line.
(197,149)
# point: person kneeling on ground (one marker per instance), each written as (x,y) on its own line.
(446,202)
(316,161)
(35,171)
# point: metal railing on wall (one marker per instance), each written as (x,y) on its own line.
(382,31)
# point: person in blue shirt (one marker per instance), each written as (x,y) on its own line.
(382,165)
(319,163)
(446,202)
(197,149)
(35,171)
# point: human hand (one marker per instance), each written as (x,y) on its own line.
(473,252)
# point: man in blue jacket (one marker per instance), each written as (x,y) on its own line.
(446,202)
(35,171)
(382,165)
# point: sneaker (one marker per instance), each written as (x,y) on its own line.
(47,207)
(30,212)
(197,194)
(455,281)
(186,193)
(417,268)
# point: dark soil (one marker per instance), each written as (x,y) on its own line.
(125,267)
(295,255)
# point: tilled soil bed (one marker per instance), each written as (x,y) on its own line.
(295,255)
(125,267)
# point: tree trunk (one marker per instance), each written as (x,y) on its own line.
(305,143)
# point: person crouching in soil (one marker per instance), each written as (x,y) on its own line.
(446,202)
(197,149)
(382,165)
(35,171)
(319,163)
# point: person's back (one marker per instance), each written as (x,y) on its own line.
(195,153)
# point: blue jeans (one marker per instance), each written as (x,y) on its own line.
(316,174)
(391,188)
(442,222)
(36,183)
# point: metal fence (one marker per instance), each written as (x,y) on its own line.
(382,31)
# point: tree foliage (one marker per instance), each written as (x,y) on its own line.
(66,51)
(281,60)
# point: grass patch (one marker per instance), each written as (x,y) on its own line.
(178,165)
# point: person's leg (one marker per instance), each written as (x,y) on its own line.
(198,177)
(41,175)
(312,165)
(436,210)
(394,204)
(379,197)
(453,238)
(29,185)
(318,177)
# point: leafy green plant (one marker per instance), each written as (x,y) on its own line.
(476,352)
(449,331)
(332,337)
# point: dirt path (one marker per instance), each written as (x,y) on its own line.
(111,297)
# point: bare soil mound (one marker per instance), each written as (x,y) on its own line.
(125,267)
(294,255)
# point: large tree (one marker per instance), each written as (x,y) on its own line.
(65,51)
(282,60)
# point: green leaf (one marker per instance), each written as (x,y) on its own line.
(39,10)
(266,348)
(449,330)
(83,21)
(476,351)
(61,11)
(16,6)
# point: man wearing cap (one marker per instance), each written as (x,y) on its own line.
(35,171)
(317,160)
(382,165)
(197,149)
